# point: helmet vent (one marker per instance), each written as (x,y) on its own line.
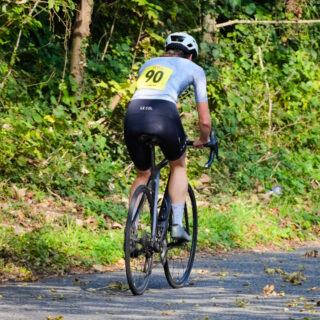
(177,38)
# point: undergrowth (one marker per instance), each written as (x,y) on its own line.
(64,238)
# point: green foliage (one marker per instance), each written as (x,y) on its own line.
(55,250)
(265,109)
(248,222)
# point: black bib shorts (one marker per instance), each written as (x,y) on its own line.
(156,117)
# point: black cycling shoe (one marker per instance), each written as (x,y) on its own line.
(179,233)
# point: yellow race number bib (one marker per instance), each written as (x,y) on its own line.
(154,77)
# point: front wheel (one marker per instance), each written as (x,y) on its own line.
(137,243)
(180,255)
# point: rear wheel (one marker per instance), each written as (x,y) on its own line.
(137,242)
(180,255)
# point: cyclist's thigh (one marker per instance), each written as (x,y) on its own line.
(173,138)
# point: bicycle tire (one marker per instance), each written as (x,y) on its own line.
(180,256)
(137,249)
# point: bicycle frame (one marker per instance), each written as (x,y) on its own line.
(153,182)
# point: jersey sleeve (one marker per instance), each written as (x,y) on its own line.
(200,86)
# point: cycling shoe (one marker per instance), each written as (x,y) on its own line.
(179,233)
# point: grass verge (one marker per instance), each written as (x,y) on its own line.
(40,236)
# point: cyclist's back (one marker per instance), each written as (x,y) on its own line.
(165,78)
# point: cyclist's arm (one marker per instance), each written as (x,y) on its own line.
(204,124)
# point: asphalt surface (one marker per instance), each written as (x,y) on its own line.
(227,287)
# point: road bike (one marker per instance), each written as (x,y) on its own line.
(148,228)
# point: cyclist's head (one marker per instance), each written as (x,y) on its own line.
(183,42)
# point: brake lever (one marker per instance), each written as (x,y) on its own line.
(213,145)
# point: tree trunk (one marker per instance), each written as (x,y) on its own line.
(81,32)
(209,23)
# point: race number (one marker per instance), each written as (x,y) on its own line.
(154,77)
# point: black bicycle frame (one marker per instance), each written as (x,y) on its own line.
(154,184)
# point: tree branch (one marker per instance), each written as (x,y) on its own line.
(138,40)
(232,22)
(111,32)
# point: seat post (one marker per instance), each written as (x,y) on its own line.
(153,156)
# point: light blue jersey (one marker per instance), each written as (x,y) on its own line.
(165,78)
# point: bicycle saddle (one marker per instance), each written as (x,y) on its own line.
(149,139)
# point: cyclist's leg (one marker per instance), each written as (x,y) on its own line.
(178,184)
(178,189)
(141,178)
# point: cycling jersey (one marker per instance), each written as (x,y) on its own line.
(164,78)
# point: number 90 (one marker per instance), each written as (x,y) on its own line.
(154,76)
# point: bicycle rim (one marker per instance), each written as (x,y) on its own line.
(180,256)
(138,254)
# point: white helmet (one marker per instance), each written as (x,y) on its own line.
(182,41)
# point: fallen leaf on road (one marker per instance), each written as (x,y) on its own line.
(118,285)
(58,297)
(311,254)
(221,274)
(293,303)
(280,271)
(56,318)
(77,282)
(269,291)
(242,303)
(201,271)
(308,306)
(296,278)
(270,271)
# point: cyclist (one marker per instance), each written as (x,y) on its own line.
(153,110)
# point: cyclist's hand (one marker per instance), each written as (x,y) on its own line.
(199,143)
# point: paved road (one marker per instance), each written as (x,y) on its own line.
(222,287)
